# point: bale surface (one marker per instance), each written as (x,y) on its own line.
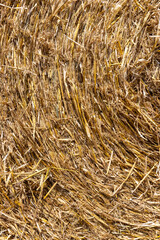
(80,119)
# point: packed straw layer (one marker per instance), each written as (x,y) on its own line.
(80,119)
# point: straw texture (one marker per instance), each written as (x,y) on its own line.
(80,119)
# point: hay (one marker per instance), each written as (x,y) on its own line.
(80,118)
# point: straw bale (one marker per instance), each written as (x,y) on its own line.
(80,119)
